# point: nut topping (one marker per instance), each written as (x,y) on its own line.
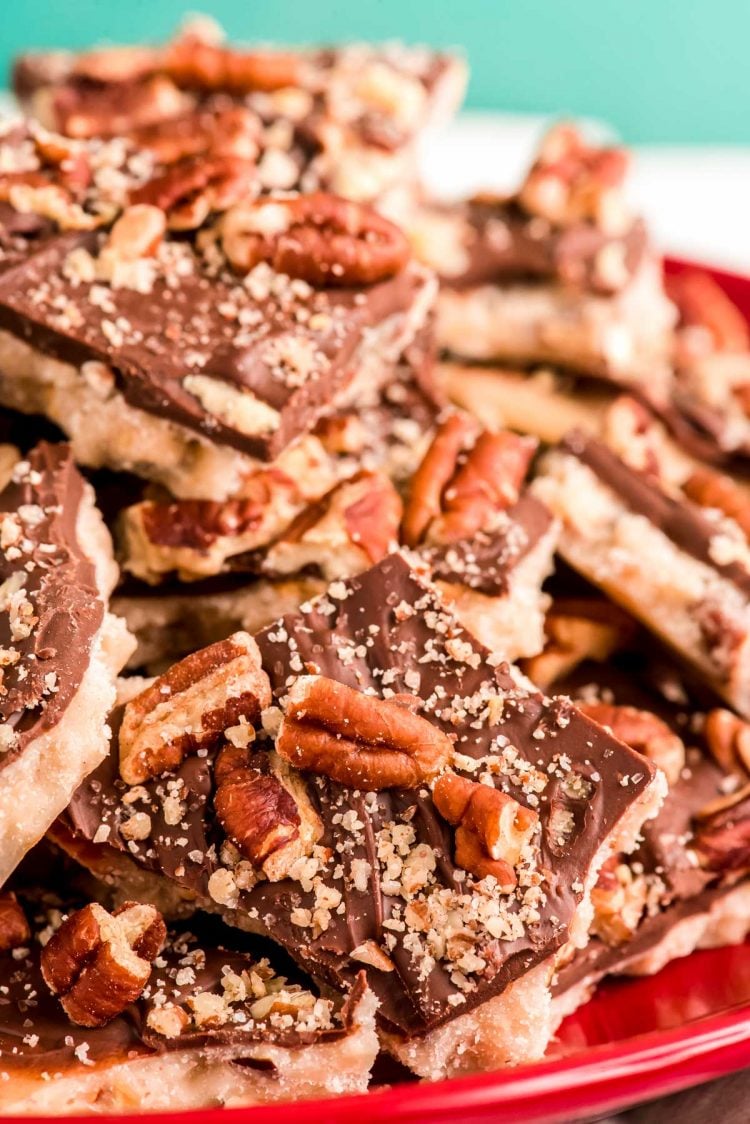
(194,187)
(189,707)
(728,740)
(235,131)
(14,928)
(358,740)
(455,492)
(572,182)
(318,238)
(193,63)
(492,829)
(722,836)
(619,899)
(704,306)
(642,731)
(264,810)
(137,233)
(97,963)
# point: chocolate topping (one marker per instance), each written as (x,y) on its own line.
(386,632)
(51,607)
(503,243)
(685,523)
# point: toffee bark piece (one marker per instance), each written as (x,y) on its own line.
(459,969)
(215,1025)
(235,372)
(61,648)
(346,117)
(558,273)
(681,569)
(662,901)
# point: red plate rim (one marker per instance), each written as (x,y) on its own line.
(594,1080)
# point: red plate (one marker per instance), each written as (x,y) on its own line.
(636,1039)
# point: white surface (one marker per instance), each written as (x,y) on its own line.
(696,199)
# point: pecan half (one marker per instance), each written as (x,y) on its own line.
(97,963)
(193,63)
(728,739)
(190,190)
(234,131)
(318,238)
(115,64)
(619,899)
(642,731)
(722,834)
(264,809)
(571,181)
(14,928)
(358,740)
(117,109)
(463,481)
(713,489)
(189,707)
(577,631)
(348,530)
(492,829)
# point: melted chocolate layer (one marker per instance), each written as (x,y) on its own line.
(385,631)
(51,607)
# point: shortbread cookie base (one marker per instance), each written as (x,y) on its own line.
(539,403)
(641,569)
(511,626)
(623,338)
(258,1073)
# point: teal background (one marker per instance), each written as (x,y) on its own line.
(658,70)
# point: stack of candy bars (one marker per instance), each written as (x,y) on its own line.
(374,667)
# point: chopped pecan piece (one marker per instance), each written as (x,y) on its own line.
(578,631)
(642,731)
(492,829)
(137,233)
(728,739)
(348,530)
(619,899)
(14,928)
(97,963)
(358,740)
(189,707)
(190,190)
(631,430)
(713,489)
(264,809)
(463,481)
(722,834)
(570,182)
(318,238)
